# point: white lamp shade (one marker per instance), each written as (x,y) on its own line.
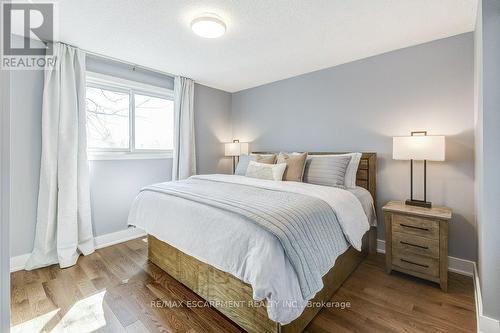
(418,147)
(236,148)
(243,148)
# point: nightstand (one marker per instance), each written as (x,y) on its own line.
(416,241)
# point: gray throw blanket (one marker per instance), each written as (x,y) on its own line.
(307,227)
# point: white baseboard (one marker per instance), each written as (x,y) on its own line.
(118,237)
(18,263)
(485,324)
(380,246)
(456,265)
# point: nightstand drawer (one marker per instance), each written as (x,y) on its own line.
(403,242)
(416,226)
(416,263)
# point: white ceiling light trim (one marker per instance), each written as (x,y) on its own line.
(208,26)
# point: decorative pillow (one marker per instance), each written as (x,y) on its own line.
(268,159)
(265,170)
(242,166)
(352,169)
(326,170)
(295,164)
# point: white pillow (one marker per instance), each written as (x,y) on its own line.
(265,171)
(352,170)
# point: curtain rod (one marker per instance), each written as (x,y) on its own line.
(133,65)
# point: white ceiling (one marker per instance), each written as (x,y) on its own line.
(266,40)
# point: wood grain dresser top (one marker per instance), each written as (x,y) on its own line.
(439,212)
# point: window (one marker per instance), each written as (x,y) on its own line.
(107,118)
(153,116)
(128,119)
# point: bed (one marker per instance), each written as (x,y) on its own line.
(232,272)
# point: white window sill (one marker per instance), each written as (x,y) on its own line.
(112,156)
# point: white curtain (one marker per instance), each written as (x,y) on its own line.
(184,164)
(63,226)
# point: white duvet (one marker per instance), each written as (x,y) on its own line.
(233,244)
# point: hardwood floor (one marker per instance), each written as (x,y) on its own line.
(117,290)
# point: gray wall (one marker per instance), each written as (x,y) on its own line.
(4,200)
(359,106)
(212,112)
(26,144)
(124,71)
(487,153)
(114,184)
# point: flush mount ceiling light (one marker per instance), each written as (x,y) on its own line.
(208,26)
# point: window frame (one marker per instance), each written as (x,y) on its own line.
(102,81)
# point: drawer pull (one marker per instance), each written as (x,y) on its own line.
(413,227)
(415,245)
(414,263)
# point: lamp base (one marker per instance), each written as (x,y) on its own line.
(418,203)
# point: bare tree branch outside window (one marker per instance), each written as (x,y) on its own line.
(108,115)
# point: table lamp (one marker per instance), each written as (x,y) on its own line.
(422,147)
(235,149)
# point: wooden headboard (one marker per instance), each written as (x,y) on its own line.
(367,170)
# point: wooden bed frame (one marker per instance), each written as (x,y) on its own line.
(233,297)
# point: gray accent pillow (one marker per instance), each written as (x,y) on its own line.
(241,168)
(326,170)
